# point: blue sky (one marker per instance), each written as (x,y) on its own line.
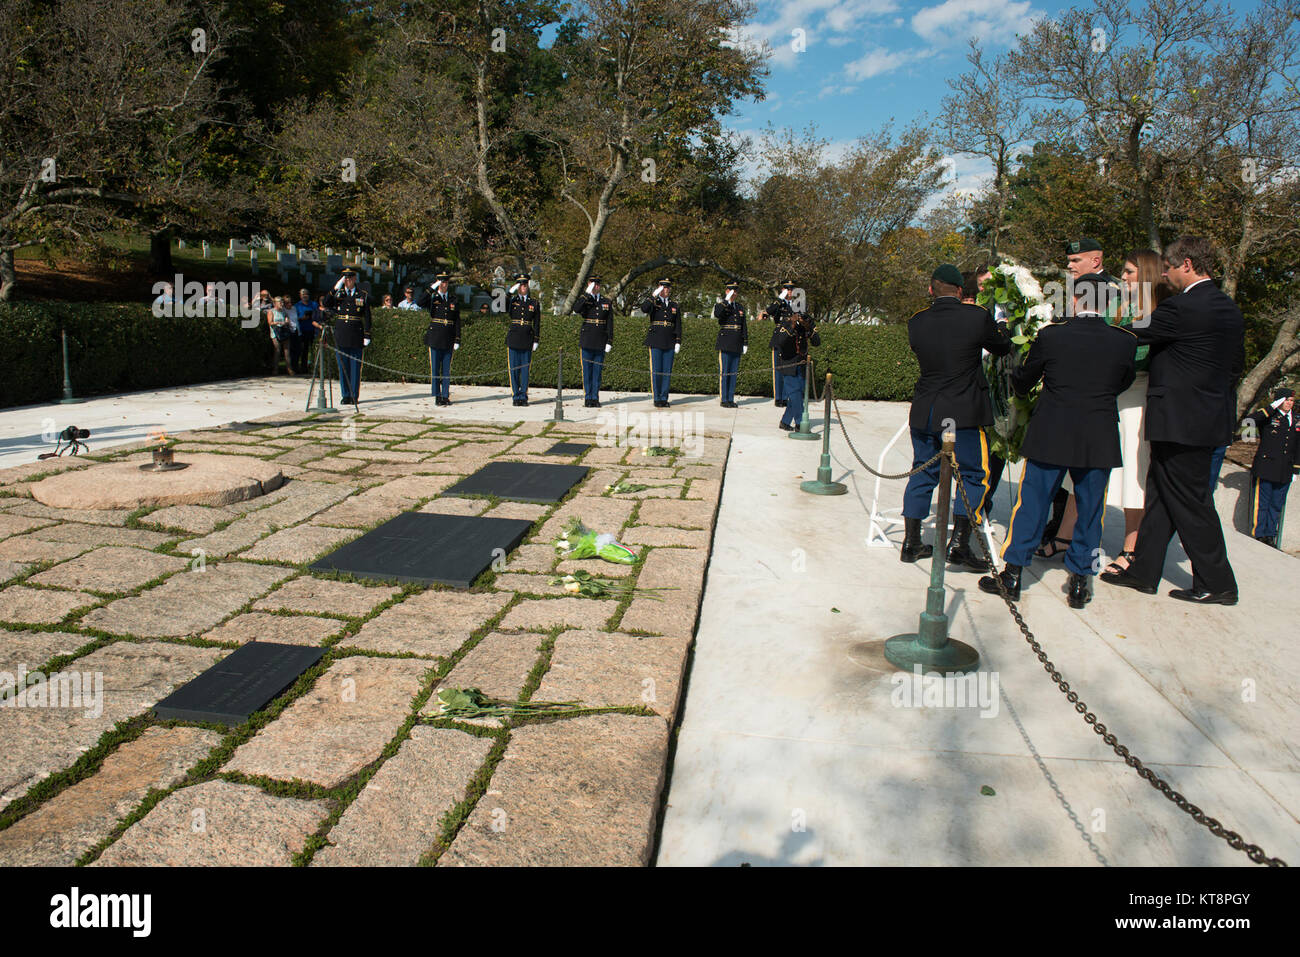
(867,61)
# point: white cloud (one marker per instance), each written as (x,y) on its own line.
(878,61)
(953,21)
(822,21)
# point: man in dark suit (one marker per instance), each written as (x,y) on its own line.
(952,393)
(1197,354)
(1084,365)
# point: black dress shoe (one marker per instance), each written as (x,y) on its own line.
(668,404)
(785,428)
(913,548)
(523,401)
(1079,593)
(1125,579)
(1010,576)
(595,403)
(1204,597)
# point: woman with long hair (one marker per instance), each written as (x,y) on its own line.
(1144,289)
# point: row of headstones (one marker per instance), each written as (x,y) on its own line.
(306,264)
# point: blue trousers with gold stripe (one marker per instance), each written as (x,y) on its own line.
(520,359)
(593,364)
(778,384)
(661,372)
(1034,503)
(1267,500)
(973,460)
(728,366)
(439,370)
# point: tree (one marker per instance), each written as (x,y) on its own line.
(97,116)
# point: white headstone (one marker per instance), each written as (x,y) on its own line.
(293,249)
(205,249)
(180,244)
(329,250)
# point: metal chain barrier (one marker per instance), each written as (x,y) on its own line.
(901,475)
(1235,840)
(425,375)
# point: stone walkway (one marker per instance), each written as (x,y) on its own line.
(352,765)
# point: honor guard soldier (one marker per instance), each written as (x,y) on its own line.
(733,342)
(776,312)
(523,333)
(595,339)
(664,339)
(1278,429)
(350,307)
(952,393)
(1084,364)
(442,337)
(793,335)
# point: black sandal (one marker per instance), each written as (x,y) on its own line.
(1056,546)
(1128,557)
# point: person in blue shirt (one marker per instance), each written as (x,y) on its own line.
(307,314)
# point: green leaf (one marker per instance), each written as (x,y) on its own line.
(1020,340)
(987,791)
(835,610)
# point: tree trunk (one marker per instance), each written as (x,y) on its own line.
(7,277)
(1286,346)
(160,252)
(481,178)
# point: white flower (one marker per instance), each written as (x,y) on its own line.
(1039,314)
(573,587)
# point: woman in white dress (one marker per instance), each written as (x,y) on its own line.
(1142,275)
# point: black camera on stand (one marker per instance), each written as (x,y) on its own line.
(69,440)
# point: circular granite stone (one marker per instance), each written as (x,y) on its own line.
(209,480)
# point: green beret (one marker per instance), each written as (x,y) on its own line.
(1083,246)
(948,273)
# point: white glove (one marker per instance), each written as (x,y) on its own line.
(730,295)
(659,291)
(535,345)
(590,287)
(677,347)
(365,341)
(744,349)
(608,347)
(455,346)
(514,289)
(339,283)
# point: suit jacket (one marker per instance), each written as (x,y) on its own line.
(949,339)
(1197,344)
(1084,364)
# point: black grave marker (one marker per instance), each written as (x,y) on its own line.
(245,681)
(568,448)
(428,549)
(521,481)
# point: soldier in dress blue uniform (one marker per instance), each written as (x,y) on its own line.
(595,339)
(350,307)
(663,337)
(1084,364)
(779,310)
(794,334)
(949,340)
(442,337)
(1278,429)
(733,342)
(523,333)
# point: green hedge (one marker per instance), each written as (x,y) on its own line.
(118,347)
(869,362)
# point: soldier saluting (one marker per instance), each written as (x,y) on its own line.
(442,337)
(664,338)
(523,333)
(733,342)
(1278,429)
(780,309)
(595,339)
(350,307)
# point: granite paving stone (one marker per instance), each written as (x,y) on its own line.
(309,499)
(111,568)
(339,726)
(11,524)
(322,595)
(134,675)
(31,649)
(580,792)
(188,603)
(658,536)
(611,669)
(524,510)
(456,506)
(433,623)
(40,606)
(29,548)
(101,535)
(218,824)
(300,544)
(532,558)
(277,629)
(543,614)
(76,819)
(90,516)
(683,513)
(498,666)
(599,513)
(197,519)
